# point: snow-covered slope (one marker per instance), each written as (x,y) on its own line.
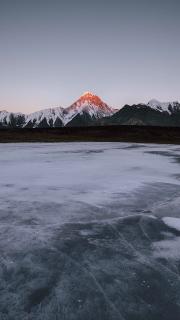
(51,116)
(4,116)
(169,107)
(9,118)
(89,104)
(89,109)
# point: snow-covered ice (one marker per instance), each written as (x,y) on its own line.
(89,229)
(92,173)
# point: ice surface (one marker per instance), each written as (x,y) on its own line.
(92,173)
(88,230)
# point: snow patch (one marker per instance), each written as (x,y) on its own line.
(172,222)
(164,106)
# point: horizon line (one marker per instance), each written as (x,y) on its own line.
(85,93)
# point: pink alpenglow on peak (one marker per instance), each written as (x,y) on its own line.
(89,107)
(90,104)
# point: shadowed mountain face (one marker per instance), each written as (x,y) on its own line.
(139,115)
(90,110)
(145,115)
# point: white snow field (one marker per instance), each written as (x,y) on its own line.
(89,231)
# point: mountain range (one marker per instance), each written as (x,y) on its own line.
(90,110)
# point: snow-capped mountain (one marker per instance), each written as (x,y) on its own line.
(154,113)
(87,108)
(169,107)
(84,111)
(11,119)
(4,116)
(90,110)
(52,117)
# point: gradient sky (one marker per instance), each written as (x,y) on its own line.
(52,51)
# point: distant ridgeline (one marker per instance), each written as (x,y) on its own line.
(90,110)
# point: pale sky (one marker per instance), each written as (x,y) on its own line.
(52,51)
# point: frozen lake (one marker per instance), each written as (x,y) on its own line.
(89,231)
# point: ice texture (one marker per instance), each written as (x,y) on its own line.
(89,231)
